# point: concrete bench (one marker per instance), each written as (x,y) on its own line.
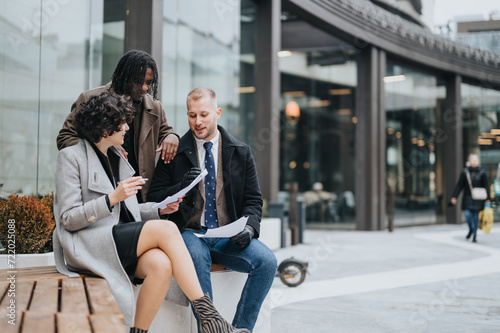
(226,287)
(46,301)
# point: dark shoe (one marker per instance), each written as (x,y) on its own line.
(474,239)
(469,234)
(210,320)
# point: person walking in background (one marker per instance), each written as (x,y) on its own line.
(101,228)
(477,176)
(135,76)
(320,204)
(229,191)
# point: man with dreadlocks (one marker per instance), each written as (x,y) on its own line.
(135,76)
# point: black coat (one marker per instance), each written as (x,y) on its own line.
(241,185)
(478,179)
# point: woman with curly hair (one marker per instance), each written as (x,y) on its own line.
(102,229)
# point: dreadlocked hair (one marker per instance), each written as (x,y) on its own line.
(131,69)
(103,115)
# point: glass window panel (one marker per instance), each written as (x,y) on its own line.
(481,131)
(50,52)
(201,47)
(63,76)
(413,102)
(20,23)
(317,135)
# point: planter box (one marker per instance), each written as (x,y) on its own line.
(27,260)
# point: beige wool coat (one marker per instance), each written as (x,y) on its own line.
(83,239)
(154,128)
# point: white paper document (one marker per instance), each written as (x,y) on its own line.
(228,230)
(181,193)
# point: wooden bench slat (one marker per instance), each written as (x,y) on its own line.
(22,292)
(38,287)
(55,276)
(38,321)
(40,269)
(100,298)
(73,323)
(106,324)
(5,327)
(32,273)
(73,297)
(4,285)
(45,296)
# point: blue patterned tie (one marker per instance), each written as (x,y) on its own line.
(210,180)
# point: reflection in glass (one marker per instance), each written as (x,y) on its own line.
(201,47)
(413,102)
(317,133)
(481,131)
(49,54)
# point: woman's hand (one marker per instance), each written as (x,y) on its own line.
(125,189)
(453,201)
(171,208)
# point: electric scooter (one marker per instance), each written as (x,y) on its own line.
(292,272)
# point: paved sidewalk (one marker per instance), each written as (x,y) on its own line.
(416,279)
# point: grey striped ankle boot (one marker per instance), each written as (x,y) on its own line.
(210,320)
(137,330)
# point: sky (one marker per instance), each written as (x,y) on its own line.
(441,11)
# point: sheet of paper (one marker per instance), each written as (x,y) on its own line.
(181,193)
(228,230)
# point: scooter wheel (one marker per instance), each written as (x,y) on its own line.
(292,274)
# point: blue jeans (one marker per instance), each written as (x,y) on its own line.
(472,218)
(257,260)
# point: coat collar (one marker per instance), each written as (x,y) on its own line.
(187,141)
(97,178)
(229,143)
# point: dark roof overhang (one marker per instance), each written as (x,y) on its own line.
(361,23)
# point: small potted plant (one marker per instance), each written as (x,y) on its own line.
(26,226)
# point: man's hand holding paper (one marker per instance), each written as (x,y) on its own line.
(183,192)
(226,231)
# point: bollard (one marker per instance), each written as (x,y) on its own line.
(293,214)
(277,209)
(301,205)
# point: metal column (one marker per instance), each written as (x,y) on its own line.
(267,97)
(452,144)
(370,140)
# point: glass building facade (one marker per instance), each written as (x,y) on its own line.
(52,50)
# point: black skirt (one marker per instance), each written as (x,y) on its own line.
(126,236)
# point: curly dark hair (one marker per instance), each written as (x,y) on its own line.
(103,115)
(131,69)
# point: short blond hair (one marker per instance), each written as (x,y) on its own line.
(200,92)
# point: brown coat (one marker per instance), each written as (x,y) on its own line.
(154,128)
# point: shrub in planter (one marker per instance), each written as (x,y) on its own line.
(34,222)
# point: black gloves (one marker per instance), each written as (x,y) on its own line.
(243,238)
(190,176)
